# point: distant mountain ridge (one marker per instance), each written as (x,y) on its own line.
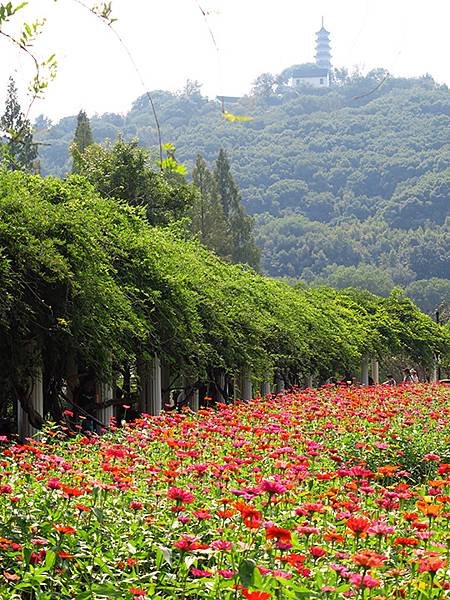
(321,169)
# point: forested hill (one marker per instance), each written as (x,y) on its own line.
(342,178)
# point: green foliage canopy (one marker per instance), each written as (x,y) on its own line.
(90,275)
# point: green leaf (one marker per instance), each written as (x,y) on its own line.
(50,559)
(163,554)
(246,572)
(107,589)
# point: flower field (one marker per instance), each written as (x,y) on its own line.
(330,493)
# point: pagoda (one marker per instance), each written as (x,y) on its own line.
(323,48)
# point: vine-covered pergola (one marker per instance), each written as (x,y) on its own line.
(99,309)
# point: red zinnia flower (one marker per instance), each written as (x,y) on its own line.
(64,555)
(406,541)
(358,525)
(137,591)
(278,533)
(180,496)
(200,573)
(255,595)
(71,491)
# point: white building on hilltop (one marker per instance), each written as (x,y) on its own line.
(315,74)
(309,75)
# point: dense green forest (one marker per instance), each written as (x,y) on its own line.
(349,185)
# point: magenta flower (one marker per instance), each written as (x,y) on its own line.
(221,545)
(272,487)
(365,580)
(180,496)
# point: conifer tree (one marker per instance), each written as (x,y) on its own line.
(244,249)
(82,139)
(19,151)
(207,216)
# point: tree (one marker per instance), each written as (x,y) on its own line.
(42,122)
(82,139)
(363,277)
(19,150)
(122,170)
(192,88)
(240,224)
(264,85)
(431,295)
(207,216)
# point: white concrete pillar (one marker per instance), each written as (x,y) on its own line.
(364,371)
(221,384)
(434,373)
(375,371)
(156,398)
(265,388)
(150,386)
(105,393)
(279,383)
(247,389)
(194,401)
(24,428)
(165,383)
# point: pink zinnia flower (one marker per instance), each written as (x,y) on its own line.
(54,484)
(200,573)
(317,552)
(221,545)
(226,573)
(363,581)
(272,487)
(380,528)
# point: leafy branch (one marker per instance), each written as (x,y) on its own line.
(44,71)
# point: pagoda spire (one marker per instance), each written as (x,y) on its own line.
(323,48)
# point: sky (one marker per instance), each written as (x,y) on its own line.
(171,41)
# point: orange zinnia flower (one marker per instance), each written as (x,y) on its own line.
(368,558)
(428,509)
(64,529)
(431,564)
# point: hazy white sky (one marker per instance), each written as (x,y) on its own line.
(171,42)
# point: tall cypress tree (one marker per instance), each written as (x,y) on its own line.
(207,216)
(226,187)
(19,151)
(82,139)
(244,249)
